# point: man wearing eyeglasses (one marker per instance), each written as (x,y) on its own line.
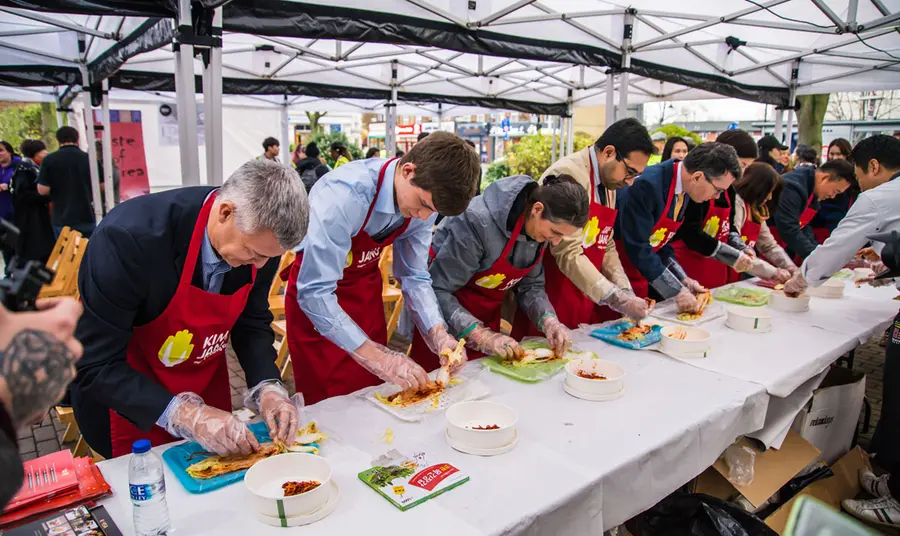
(653,209)
(583,272)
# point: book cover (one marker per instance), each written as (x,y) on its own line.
(78,521)
(53,474)
(409,481)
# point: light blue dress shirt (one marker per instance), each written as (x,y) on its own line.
(214,267)
(338,205)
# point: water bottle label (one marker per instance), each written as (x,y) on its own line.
(145,492)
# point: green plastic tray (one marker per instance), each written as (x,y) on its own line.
(533,373)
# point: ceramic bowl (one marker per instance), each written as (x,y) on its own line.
(696,341)
(750,320)
(779,301)
(464,417)
(264,481)
(614,374)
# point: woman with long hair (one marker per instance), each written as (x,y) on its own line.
(676,148)
(496,246)
(750,232)
(839,149)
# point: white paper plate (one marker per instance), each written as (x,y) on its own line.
(466,449)
(297,521)
(590,397)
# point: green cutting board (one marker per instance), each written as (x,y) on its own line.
(532,373)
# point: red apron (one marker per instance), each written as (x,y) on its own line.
(321,368)
(749,235)
(708,272)
(572,306)
(183,349)
(663,231)
(805,217)
(482,296)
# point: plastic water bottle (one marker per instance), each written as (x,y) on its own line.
(148,491)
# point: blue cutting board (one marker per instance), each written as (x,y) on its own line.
(177,458)
(611,334)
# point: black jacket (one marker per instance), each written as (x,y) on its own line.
(31,214)
(799,185)
(316,169)
(128,276)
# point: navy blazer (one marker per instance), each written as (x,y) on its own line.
(798,186)
(128,276)
(640,207)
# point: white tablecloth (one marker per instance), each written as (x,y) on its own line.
(579,468)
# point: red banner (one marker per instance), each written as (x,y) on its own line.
(430,477)
(128,155)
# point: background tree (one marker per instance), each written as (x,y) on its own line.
(862,106)
(532,154)
(325,139)
(314,117)
(671,130)
(19,122)
(810,119)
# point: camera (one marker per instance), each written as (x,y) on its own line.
(20,289)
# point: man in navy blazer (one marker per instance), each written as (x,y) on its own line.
(706,172)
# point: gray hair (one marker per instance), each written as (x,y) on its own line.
(268,196)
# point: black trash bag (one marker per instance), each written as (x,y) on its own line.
(697,514)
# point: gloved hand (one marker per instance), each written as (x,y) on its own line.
(686,302)
(216,430)
(743,264)
(490,343)
(625,302)
(879,267)
(750,252)
(693,285)
(796,285)
(390,366)
(438,340)
(270,399)
(792,268)
(763,270)
(557,334)
(782,275)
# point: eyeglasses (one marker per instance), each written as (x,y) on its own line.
(630,172)
(719,191)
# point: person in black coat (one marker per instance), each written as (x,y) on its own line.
(311,168)
(31,211)
(154,339)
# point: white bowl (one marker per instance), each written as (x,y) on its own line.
(833,288)
(862,273)
(265,478)
(750,320)
(696,341)
(779,301)
(614,382)
(463,417)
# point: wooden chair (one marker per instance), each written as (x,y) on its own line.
(276,291)
(65,282)
(58,248)
(391,294)
(67,416)
(283,358)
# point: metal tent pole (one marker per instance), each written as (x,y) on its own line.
(109,187)
(390,127)
(285,133)
(212,106)
(58,105)
(610,98)
(553,143)
(570,136)
(779,117)
(627,33)
(563,130)
(440,115)
(89,130)
(795,68)
(186,98)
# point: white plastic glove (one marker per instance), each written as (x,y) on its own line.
(686,302)
(693,285)
(216,430)
(490,343)
(628,304)
(557,334)
(796,285)
(438,340)
(744,263)
(764,270)
(390,366)
(782,275)
(792,268)
(879,267)
(270,399)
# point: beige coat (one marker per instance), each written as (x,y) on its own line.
(596,284)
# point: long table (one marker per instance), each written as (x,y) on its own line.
(579,468)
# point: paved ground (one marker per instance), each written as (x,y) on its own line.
(45,438)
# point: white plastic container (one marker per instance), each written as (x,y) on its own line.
(779,301)
(696,341)
(265,478)
(614,374)
(749,319)
(862,273)
(833,288)
(464,417)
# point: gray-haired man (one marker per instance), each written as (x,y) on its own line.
(167,280)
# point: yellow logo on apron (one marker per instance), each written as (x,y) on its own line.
(177,348)
(658,236)
(590,233)
(744,238)
(349,259)
(712,226)
(491,281)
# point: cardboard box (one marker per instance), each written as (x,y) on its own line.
(830,418)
